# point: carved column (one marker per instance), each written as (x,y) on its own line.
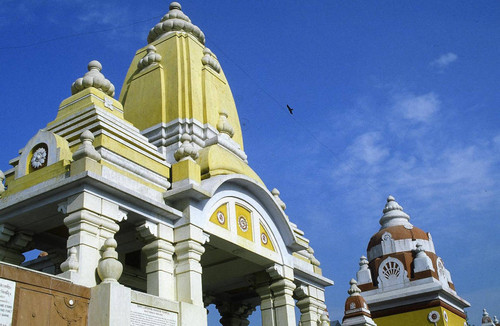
(284,304)
(311,304)
(160,266)
(188,271)
(282,287)
(235,313)
(189,240)
(266,305)
(90,221)
(188,249)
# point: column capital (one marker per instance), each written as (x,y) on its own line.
(234,313)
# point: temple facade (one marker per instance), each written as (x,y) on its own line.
(146,201)
(402,280)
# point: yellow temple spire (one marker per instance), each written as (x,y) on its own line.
(175,90)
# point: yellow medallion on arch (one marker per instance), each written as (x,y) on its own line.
(244,222)
(265,240)
(219,216)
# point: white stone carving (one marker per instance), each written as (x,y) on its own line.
(276,195)
(87,149)
(442,273)
(223,125)
(71,264)
(325,321)
(314,260)
(209,59)
(108,103)
(63,207)
(394,215)
(39,158)
(422,262)
(388,244)
(391,273)
(364,274)
(175,21)
(148,230)
(109,268)
(150,58)
(57,148)
(186,150)
(354,290)
(93,78)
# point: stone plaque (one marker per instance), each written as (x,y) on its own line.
(7,293)
(143,315)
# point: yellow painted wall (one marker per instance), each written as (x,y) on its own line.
(419,318)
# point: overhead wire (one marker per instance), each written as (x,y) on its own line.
(68,36)
(278,103)
(282,106)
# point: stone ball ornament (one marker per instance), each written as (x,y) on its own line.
(175,21)
(93,78)
(109,268)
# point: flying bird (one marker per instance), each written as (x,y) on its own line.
(289,109)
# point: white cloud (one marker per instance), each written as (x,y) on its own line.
(367,147)
(417,108)
(444,60)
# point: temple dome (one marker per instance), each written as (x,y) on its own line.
(396,223)
(398,232)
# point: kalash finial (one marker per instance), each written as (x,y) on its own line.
(353,290)
(93,78)
(175,5)
(394,215)
(175,20)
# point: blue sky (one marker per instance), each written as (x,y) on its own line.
(390,97)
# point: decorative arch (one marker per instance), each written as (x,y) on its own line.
(388,244)
(44,149)
(442,273)
(265,215)
(391,273)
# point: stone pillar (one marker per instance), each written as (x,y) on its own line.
(284,304)
(266,305)
(12,244)
(188,250)
(311,304)
(282,287)
(160,266)
(235,313)
(90,221)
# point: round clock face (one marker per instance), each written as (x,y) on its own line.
(264,238)
(39,158)
(243,223)
(220,217)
